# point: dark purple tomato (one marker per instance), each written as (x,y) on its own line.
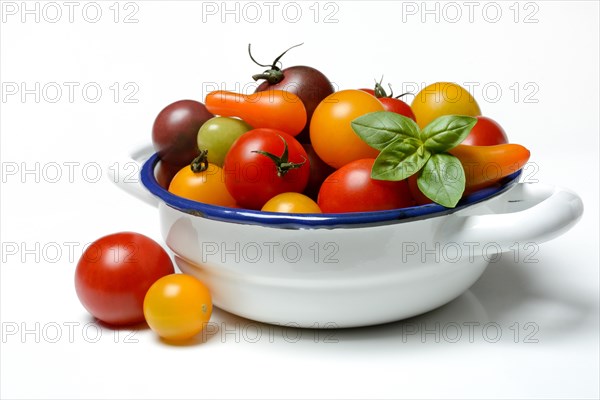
(307,83)
(319,171)
(164,173)
(175,131)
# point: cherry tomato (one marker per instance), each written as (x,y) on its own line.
(177,307)
(295,203)
(258,167)
(486,132)
(207,186)
(391,103)
(114,274)
(485,165)
(308,83)
(319,171)
(165,172)
(218,134)
(275,109)
(175,129)
(331,134)
(351,189)
(415,192)
(443,98)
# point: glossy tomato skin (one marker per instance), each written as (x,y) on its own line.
(420,198)
(486,132)
(165,172)
(319,171)
(331,133)
(218,134)
(175,130)
(294,203)
(443,98)
(252,178)
(115,272)
(394,105)
(205,187)
(271,109)
(351,189)
(397,106)
(309,84)
(177,307)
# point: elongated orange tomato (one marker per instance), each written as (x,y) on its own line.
(485,165)
(275,109)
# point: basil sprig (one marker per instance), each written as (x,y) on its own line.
(407,150)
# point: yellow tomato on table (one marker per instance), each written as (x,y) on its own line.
(177,306)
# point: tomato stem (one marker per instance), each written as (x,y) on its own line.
(200,163)
(381,93)
(274,74)
(282,162)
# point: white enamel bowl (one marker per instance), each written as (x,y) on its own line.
(350,270)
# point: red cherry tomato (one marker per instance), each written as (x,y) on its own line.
(257,167)
(391,103)
(114,274)
(351,189)
(420,198)
(486,132)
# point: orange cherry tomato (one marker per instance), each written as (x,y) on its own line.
(206,187)
(294,203)
(331,134)
(485,165)
(177,307)
(274,109)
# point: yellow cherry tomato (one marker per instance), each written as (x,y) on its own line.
(294,203)
(443,98)
(331,134)
(177,306)
(206,187)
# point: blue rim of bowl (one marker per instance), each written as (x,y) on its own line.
(311,221)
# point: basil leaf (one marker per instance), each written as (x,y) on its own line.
(380,128)
(446,132)
(399,160)
(442,179)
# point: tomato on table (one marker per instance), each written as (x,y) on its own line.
(351,189)
(177,307)
(331,134)
(115,272)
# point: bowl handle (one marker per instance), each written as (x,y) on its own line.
(528,213)
(126,175)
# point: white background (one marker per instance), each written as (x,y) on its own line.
(546,310)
